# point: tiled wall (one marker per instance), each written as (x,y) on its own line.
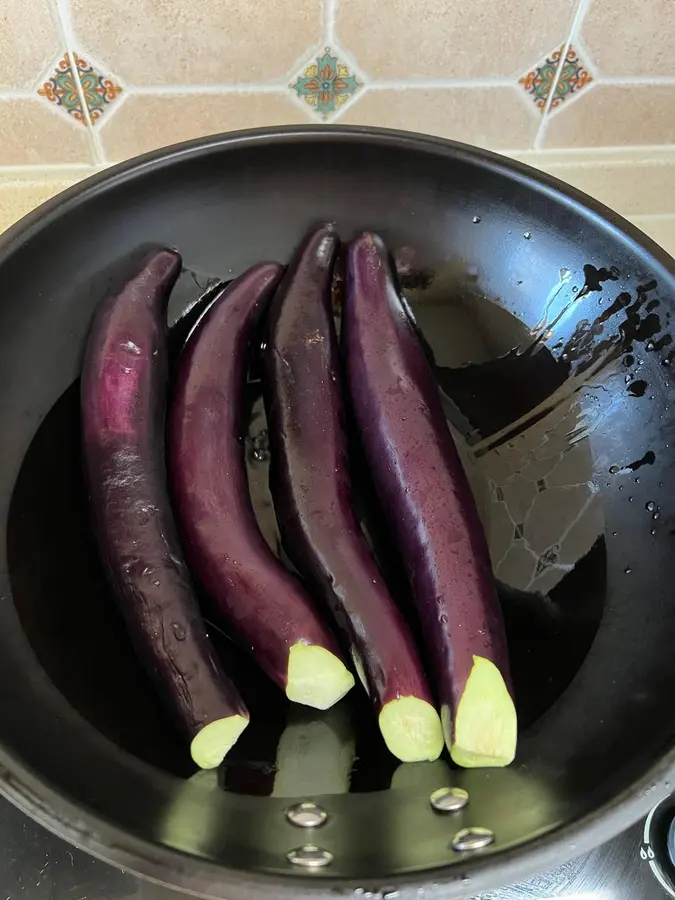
(94,81)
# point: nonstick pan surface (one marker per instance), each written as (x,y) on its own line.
(548,319)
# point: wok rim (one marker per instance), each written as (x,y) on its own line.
(200,877)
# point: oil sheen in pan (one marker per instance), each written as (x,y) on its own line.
(536,409)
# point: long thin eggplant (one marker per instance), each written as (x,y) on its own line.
(265,605)
(124,388)
(424,492)
(310,484)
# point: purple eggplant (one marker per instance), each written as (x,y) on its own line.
(264,604)
(309,480)
(124,388)
(425,495)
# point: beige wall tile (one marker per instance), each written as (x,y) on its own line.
(157,42)
(430,38)
(18,200)
(631,37)
(660,228)
(29,40)
(630,188)
(33,133)
(146,122)
(608,115)
(490,117)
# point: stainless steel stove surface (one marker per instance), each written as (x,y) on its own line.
(36,865)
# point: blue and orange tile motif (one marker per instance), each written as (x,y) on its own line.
(99,90)
(63,88)
(572,77)
(326,84)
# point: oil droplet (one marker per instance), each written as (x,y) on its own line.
(614,533)
(564,357)
(649,345)
(527,235)
(519,282)
(637,481)
(620,487)
(628,570)
(261,447)
(653,531)
(651,506)
(575,289)
(656,515)
(156,583)
(614,470)
(630,499)
(178,631)
(628,379)
(263,345)
(477,219)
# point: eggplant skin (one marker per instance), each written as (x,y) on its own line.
(264,604)
(425,495)
(123,398)
(310,485)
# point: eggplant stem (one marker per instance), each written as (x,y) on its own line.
(485,728)
(210,745)
(316,677)
(411,729)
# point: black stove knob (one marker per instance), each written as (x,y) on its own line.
(658,844)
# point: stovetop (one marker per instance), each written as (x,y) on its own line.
(36,865)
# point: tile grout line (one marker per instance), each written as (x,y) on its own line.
(181,89)
(63,35)
(576,22)
(636,79)
(380,85)
(69,36)
(329,19)
(425,83)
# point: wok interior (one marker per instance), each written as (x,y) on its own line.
(549,332)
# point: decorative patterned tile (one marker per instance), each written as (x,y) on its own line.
(573,77)
(99,89)
(62,88)
(326,84)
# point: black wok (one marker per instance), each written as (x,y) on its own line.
(548,320)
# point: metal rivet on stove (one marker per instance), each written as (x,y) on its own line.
(306,815)
(472,839)
(310,857)
(449,799)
